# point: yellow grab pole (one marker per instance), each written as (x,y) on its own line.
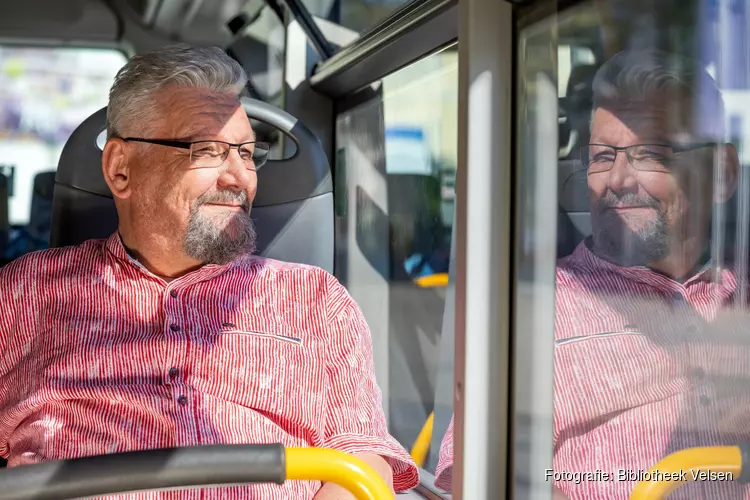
(332,466)
(422,444)
(726,459)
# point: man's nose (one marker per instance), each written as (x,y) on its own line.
(622,175)
(235,172)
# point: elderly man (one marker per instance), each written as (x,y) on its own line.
(169,332)
(652,338)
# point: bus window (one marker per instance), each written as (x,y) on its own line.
(632,339)
(45,93)
(395,171)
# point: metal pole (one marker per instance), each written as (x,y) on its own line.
(304,18)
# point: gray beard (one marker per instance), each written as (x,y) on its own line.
(207,243)
(616,242)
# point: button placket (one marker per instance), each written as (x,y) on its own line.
(174,369)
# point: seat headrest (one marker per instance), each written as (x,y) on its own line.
(580,84)
(303,175)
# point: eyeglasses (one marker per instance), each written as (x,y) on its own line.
(644,157)
(213,154)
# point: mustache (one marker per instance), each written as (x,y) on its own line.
(225,196)
(628,200)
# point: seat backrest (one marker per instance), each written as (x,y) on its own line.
(293,209)
(41,205)
(4,224)
(574,220)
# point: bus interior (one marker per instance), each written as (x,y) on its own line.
(452,131)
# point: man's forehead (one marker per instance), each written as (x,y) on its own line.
(649,122)
(194,114)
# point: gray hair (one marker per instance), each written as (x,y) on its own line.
(647,76)
(131,98)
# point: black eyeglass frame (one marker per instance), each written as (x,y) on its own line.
(189,145)
(676,148)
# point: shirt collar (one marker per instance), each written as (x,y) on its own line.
(115,246)
(585,257)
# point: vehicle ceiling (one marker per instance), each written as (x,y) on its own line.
(133,25)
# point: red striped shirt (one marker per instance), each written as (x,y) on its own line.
(444,470)
(101,356)
(644,366)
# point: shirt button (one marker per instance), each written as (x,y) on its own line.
(698,373)
(174,327)
(173,372)
(705,400)
(173,293)
(182,400)
(692,329)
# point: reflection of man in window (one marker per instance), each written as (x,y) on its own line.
(649,356)
(652,346)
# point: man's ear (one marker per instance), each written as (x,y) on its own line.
(729,163)
(116,168)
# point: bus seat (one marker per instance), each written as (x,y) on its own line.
(574,220)
(293,210)
(578,103)
(4,223)
(41,205)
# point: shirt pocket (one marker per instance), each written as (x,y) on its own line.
(228,328)
(600,375)
(264,367)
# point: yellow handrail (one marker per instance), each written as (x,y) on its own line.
(331,466)
(678,469)
(432,280)
(422,444)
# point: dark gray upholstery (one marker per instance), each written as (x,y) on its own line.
(574,220)
(4,224)
(293,210)
(41,205)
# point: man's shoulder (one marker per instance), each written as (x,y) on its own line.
(580,274)
(571,267)
(306,282)
(285,273)
(256,264)
(68,259)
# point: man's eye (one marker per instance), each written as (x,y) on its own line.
(650,156)
(206,151)
(602,158)
(654,154)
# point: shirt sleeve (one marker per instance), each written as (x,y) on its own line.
(444,469)
(355,421)
(11,289)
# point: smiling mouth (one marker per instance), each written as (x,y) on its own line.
(225,205)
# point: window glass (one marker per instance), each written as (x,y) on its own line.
(355,15)
(632,334)
(45,93)
(395,176)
